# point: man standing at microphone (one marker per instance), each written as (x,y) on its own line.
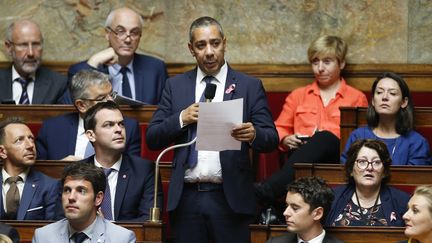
(211,193)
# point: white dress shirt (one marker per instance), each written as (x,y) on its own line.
(117,78)
(82,139)
(6,186)
(318,239)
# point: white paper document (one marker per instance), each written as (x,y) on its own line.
(215,122)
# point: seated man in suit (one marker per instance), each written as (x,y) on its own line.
(137,76)
(25,82)
(87,88)
(83,187)
(26,194)
(308,202)
(130,188)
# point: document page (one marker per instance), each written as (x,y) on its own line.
(215,122)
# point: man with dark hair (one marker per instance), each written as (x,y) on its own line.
(308,202)
(25,81)
(83,193)
(25,193)
(130,188)
(140,77)
(211,195)
(87,88)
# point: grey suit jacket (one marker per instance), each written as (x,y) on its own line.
(49,86)
(104,232)
(292,238)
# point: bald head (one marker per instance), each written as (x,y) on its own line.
(25,46)
(115,17)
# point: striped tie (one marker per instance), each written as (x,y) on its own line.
(24,99)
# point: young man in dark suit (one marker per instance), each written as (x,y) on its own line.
(308,202)
(130,191)
(212,197)
(26,82)
(140,77)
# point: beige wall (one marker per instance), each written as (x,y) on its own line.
(258,31)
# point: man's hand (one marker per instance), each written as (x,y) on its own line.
(190,114)
(107,57)
(72,158)
(244,132)
(292,142)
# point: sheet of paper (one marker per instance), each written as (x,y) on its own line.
(215,122)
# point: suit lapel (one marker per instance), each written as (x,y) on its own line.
(99,231)
(122,182)
(41,86)
(73,123)
(139,78)
(30,187)
(230,85)
(2,211)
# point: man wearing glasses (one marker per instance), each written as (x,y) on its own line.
(26,82)
(136,76)
(63,137)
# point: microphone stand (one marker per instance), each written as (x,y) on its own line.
(155,211)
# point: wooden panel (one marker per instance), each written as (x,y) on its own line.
(38,113)
(145,232)
(261,233)
(334,173)
(286,77)
(354,117)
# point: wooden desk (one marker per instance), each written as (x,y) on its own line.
(145,232)
(261,233)
(354,117)
(38,113)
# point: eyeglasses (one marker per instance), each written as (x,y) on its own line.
(363,164)
(26,46)
(122,33)
(111,95)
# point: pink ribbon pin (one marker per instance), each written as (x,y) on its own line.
(230,89)
(392,216)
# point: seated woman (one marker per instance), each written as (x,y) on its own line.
(418,218)
(390,119)
(312,112)
(366,200)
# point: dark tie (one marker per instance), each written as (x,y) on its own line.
(126,90)
(106,203)
(80,237)
(12,197)
(24,99)
(193,154)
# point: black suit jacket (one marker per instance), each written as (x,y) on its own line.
(49,86)
(135,189)
(238,176)
(292,238)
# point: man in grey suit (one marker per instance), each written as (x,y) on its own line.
(308,202)
(25,81)
(83,192)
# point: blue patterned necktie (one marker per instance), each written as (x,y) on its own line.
(193,154)
(126,90)
(80,237)
(24,99)
(106,202)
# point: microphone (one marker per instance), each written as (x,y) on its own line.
(209,94)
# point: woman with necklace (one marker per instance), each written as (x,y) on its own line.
(418,218)
(366,200)
(390,119)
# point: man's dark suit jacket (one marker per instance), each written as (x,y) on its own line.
(150,75)
(238,176)
(135,189)
(292,238)
(49,86)
(39,199)
(58,135)
(9,231)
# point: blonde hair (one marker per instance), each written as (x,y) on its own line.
(426,192)
(328,46)
(5,239)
